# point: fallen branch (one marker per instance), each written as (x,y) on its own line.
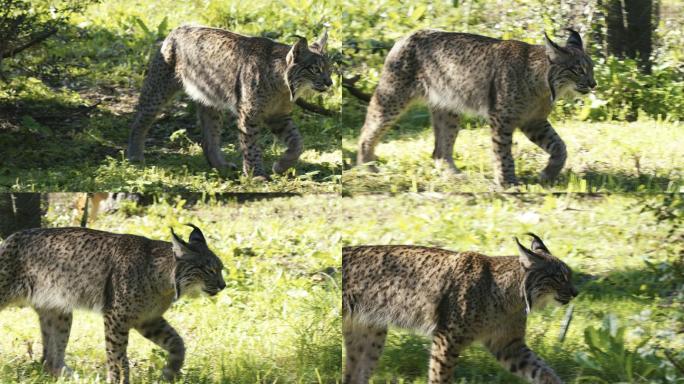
(37,38)
(314,108)
(350,85)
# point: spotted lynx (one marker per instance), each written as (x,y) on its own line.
(130,279)
(255,79)
(510,83)
(458,298)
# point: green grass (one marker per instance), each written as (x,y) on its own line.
(66,110)
(643,156)
(278,320)
(606,239)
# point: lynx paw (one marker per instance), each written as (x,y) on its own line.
(59,371)
(446,168)
(169,374)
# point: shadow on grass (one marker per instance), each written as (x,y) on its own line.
(642,285)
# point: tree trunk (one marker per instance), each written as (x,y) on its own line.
(615,28)
(639,34)
(629,30)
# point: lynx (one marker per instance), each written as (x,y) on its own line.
(509,83)
(130,279)
(255,79)
(458,298)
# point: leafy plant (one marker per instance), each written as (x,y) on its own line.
(609,359)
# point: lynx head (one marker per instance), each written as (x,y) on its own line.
(308,67)
(571,68)
(547,279)
(197,267)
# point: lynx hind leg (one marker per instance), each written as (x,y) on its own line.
(515,356)
(55,327)
(159,86)
(211,122)
(543,134)
(445,126)
(391,97)
(286,131)
(161,333)
(364,344)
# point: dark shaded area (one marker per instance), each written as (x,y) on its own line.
(629,30)
(19,211)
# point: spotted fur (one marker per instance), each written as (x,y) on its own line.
(509,83)
(255,79)
(130,279)
(456,297)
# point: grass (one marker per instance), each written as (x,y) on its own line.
(619,255)
(278,320)
(643,156)
(66,110)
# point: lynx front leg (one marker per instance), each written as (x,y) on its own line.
(251,152)
(445,125)
(286,130)
(543,134)
(55,328)
(443,355)
(502,139)
(515,356)
(161,333)
(116,343)
(364,345)
(211,124)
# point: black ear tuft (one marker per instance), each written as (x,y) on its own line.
(537,244)
(196,236)
(574,40)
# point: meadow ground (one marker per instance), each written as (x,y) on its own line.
(278,320)
(66,106)
(642,156)
(624,262)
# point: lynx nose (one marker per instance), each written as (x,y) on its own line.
(327,81)
(592,83)
(221,285)
(574,292)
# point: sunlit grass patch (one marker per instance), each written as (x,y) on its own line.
(642,156)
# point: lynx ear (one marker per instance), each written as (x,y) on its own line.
(537,244)
(180,247)
(299,49)
(574,40)
(319,46)
(554,51)
(527,257)
(196,237)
